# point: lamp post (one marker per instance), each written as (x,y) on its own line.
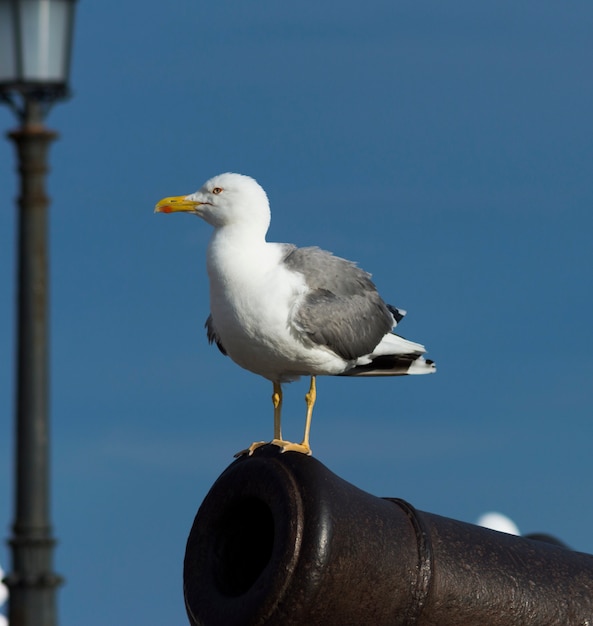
(35,44)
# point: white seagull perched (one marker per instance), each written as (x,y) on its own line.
(284,312)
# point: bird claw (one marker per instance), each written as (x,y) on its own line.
(288,446)
(252,447)
(285,446)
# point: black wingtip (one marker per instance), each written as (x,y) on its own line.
(398,314)
(212,336)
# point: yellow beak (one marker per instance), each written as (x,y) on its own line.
(176,203)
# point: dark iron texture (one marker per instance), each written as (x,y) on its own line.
(281,540)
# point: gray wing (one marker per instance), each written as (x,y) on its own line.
(343,310)
(212,335)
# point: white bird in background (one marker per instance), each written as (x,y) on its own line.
(3,598)
(283,312)
(499,522)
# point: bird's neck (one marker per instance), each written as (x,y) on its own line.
(236,251)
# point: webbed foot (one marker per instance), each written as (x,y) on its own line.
(285,446)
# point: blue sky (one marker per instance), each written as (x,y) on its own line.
(446,147)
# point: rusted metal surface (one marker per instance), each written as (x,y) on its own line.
(280,539)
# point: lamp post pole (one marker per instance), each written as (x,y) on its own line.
(35,48)
(32,582)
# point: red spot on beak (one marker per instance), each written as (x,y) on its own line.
(166,209)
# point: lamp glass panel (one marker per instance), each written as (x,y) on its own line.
(45,28)
(8,62)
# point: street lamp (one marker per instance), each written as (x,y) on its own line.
(35,44)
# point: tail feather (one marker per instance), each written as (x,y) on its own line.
(393,365)
(393,356)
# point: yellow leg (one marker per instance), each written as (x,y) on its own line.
(277,401)
(304,447)
(286,446)
(310,400)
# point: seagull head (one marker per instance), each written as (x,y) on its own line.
(225,200)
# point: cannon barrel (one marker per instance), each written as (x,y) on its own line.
(281,540)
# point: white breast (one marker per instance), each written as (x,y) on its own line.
(251,297)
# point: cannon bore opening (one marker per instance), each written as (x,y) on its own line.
(243,546)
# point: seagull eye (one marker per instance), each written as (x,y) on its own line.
(217,190)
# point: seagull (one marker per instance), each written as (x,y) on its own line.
(284,312)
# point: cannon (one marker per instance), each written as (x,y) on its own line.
(282,540)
